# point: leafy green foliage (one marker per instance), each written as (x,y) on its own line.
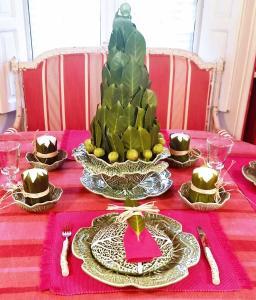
(117,145)
(137,222)
(136,47)
(126,118)
(149,98)
(145,139)
(131,138)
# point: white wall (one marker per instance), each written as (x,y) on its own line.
(233,120)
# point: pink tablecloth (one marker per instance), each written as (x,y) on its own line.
(246,187)
(22,234)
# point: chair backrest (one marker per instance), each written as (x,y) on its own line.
(61,88)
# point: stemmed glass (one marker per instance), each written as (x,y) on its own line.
(9,162)
(219,147)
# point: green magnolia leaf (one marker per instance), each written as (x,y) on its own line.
(149,117)
(112,41)
(130,114)
(106,76)
(114,121)
(140,117)
(103,87)
(136,47)
(111,96)
(154,134)
(117,145)
(124,95)
(149,98)
(105,142)
(137,222)
(125,26)
(136,100)
(118,60)
(116,76)
(102,118)
(131,138)
(98,134)
(92,130)
(145,139)
(144,81)
(131,77)
(120,41)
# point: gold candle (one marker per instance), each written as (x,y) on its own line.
(203,185)
(179,146)
(35,186)
(46,149)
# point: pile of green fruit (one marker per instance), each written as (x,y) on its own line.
(125,125)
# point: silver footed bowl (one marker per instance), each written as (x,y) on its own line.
(121,175)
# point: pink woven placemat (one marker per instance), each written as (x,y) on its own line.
(245,186)
(233,276)
(71,139)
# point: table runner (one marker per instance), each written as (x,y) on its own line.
(233,277)
(247,187)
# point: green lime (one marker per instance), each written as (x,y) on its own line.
(87,142)
(113,156)
(158,148)
(89,148)
(161,141)
(132,154)
(99,152)
(147,154)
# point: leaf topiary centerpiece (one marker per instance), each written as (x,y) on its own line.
(125,147)
(125,125)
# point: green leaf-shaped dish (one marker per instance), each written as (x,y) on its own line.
(186,164)
(99,166)
(184,193)
(173,271)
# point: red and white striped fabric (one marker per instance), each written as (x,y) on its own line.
(63,91)
(183,91)
(224,133)
(10,130)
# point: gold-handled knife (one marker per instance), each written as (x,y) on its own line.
(209,257)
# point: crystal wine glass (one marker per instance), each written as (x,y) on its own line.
(219,147)
(9,161)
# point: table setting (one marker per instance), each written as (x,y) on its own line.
(127,208)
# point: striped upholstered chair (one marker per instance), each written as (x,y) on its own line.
(61,89)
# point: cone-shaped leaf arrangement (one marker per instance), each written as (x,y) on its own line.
(125,125)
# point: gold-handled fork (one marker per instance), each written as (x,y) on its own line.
(66,233)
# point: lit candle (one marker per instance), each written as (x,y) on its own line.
(35,186)
(179,146)
(46,149)
(203,185)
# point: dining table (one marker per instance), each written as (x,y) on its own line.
(22,233)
